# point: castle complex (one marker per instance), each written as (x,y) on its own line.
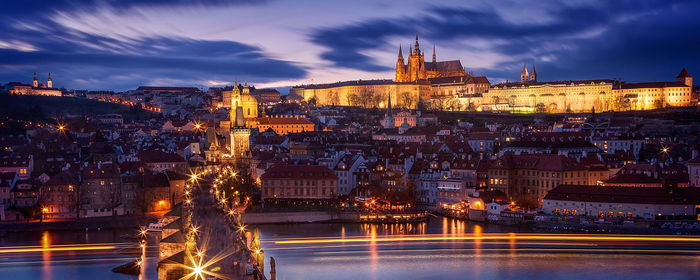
(445,85)
(36,88)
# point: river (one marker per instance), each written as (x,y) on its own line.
(439,249)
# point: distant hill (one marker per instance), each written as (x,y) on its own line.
(40,108)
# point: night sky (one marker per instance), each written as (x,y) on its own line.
(121,44)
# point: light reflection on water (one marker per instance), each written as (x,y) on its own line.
(443,257)
(46,264)
(450,258)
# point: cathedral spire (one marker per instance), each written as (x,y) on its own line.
(400,53)
(524,75)
(35,83)
(388,107)
(434,59)
(533,75)
(417,47)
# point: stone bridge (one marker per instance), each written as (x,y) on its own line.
(203,238)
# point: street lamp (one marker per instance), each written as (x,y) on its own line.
(43,210)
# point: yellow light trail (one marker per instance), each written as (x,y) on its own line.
(498,237)
(429,243)
(71,245)
(75,248)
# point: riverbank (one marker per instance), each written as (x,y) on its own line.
(331,217)
(96,223)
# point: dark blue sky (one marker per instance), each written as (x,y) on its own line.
(119,45)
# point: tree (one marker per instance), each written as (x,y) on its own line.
(471,106)
(313,101)
(405,100)
(540,108)
(353,99)
(621,103)
(366,97)
(333,98)
(454,104)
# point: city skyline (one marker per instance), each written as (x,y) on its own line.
(119,46)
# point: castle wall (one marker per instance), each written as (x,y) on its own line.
(573,97)
(402,95)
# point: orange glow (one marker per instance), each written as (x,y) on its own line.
(504,237)
(73,248)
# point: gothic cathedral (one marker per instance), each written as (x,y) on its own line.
(419,69)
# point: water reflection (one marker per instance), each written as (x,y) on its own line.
(46,256)
(451,249)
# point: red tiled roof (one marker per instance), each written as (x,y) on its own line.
(609,194)
(61,179)
(103,170)
(548,162)
(652,85)
(280,121)
(683,73)
(286,171)
(159,156)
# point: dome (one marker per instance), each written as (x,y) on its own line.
(248,103)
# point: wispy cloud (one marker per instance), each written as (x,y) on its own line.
(109,44)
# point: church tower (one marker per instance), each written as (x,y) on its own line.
(35,82)
(246,89)
(389,118)
(685,78)
(524,75)
(434,57)
(415,62)
(400,68)
(240,135)
(533,75)
(49,83)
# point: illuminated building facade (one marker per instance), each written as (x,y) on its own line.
(282,125)
(35,88)
(418,69)
(299,182)
(621,202)
(552,97)
(239,135)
